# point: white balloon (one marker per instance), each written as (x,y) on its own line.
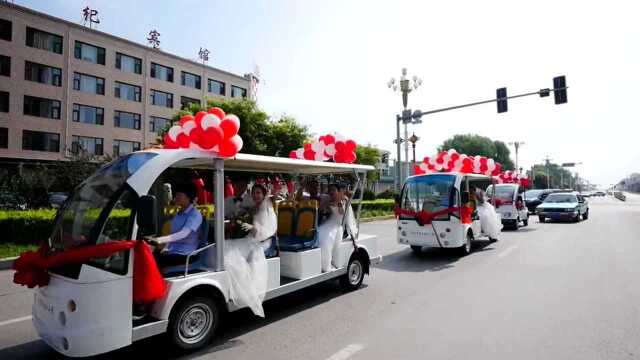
(330,149)
(317,147)
(174,131)
(300,153)
(188,126)
(319,156)
(209,120)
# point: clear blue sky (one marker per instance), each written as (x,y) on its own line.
(327,63)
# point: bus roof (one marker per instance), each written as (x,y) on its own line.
(258,163)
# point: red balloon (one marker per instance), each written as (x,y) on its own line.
(417,170)
(195,134)
(483,161)
(339,158)
(307,146)
(230,126)
(350,145)
(217,112)
(340,147)
(168,143)
(230,147)
(183,140)
(329,139)
(199,116)
(209,138)
(483,167)
(185,118)
(293,154)
(309,154)
(454,156)
(350,157)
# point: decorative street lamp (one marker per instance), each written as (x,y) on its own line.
(406,86)
(517,144)
(413,140)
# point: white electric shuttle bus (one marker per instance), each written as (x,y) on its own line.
(435,193)
(86,309)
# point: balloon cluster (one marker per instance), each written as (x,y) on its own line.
(452,161)
(328,147)
(210,131)
(510,177)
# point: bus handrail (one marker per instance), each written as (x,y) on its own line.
(195,252)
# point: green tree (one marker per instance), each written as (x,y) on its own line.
(368,155)
(473,145)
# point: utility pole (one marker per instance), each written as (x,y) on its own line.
(406,87)
(547,161)
(516,145)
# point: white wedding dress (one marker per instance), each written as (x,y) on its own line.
(245,262)
(330,236)
(489,222)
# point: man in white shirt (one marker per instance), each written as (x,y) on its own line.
(240,202)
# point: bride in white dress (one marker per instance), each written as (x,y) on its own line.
(244,258)
(331,230)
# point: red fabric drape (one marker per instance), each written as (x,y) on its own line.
(148,285)
(424,217)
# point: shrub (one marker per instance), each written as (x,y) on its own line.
(387,194)
(368,195)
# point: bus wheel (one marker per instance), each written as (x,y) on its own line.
(354,276)
(193,322)
(416,249)
(466,248)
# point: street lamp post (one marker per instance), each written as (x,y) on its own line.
(516,145)
(406,86)
(413,140)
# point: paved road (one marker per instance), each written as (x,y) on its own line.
(548,291)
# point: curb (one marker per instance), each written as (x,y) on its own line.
(385,217)
(7,263)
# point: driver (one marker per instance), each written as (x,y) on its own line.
(174,248)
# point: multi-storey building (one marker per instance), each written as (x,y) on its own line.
(64,87)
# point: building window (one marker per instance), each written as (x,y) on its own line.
(5,29)
(127,120)
(127,91)
(88,114)
(157,123)
(128,63)
(42,73)
(217,87)
(191,80)
(86,145)
(40,141)
(161,72)
(161,98)
(90,53)
(41,107)
(238,92)
(5,65)
(43,40)
(4,101)
(4,138)
(186,102)
(88,83)
(122,147)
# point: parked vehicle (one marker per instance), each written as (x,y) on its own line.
(533,198)
(563,206)
(439,193)
(599,193)
(86,309)
(620,195)
(509,203)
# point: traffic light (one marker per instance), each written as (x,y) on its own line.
(501,96)
(560,89)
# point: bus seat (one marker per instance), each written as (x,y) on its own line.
(306,225)
(286,218)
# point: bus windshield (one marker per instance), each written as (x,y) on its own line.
(430,193)
(79,220)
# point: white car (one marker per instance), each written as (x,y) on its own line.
(509,204)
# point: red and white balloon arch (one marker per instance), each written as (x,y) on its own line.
(452,161)
(209,131)
(328,147)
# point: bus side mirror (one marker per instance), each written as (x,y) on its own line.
(147,215)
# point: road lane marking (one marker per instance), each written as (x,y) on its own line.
(507,251)
(16,320)
(346,353)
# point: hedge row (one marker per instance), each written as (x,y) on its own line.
(34,226)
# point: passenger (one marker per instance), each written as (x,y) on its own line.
(488,217)
(185,229)
(312,187)
(244,258)
(331,231)
(240,202)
